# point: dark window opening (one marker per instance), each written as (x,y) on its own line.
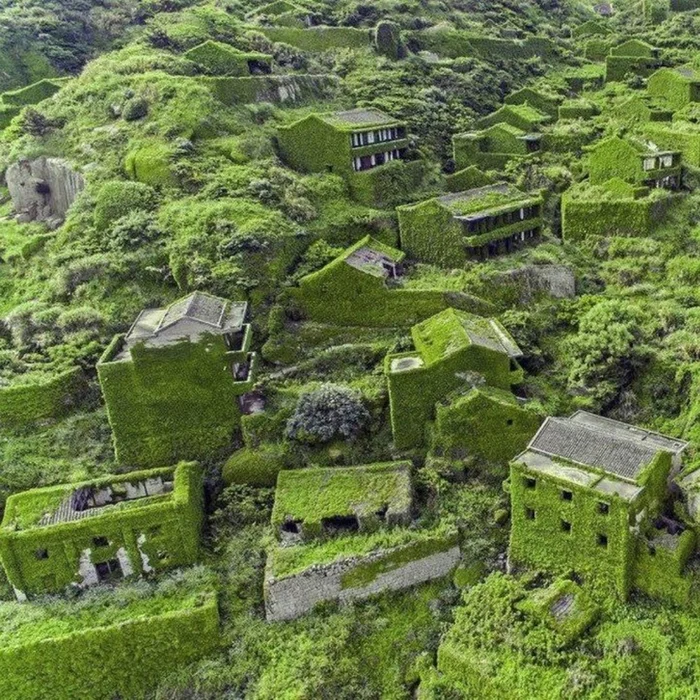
(509,421)
(530,513)
(258,68)
(291,526)
(340,524)
(381,513)
(603,508)
(155,531)
(42,188)
(567,495)
(109,571)
(100,541)
(652,550)
(234,341)
(565,526)
(602,540)
(529,482)
(42,554)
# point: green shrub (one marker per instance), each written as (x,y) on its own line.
(118,198)
(257,466)
(135,108)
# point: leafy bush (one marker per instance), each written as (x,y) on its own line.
(117,198)
(327,413)
(135,108)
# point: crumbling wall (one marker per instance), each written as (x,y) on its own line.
(43,189)
(352,579)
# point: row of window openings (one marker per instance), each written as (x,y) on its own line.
(43,553)
(365,138)
(489,223)
(660,162)
(566,495)
(602,540)
(372,161)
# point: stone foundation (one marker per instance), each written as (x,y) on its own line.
(288,598)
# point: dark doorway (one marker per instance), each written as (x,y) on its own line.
(109,570)
(340,524)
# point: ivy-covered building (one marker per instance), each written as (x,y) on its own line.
(174,384)
(102,530)
(322,503)
(591,28)
(492,148)
(453,350)
(357,145)
(679,134)
(588,494)
(216,58)
(474,224)
(634,161)
(615,208)
(642,108)
(482,423)
(631,57)
(678,86)
(363,287)
(522,116)
(546,102)
(342,533)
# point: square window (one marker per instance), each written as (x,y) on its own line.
(155,531)
(530,513)
(565,526)
(602,540)
(567,495)
(529,482)
(509,421)
(603,508)
(100,541)
(41,553)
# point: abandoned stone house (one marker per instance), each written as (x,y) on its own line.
(591,494)
(175,384)
(475,224)
(632,57)
(217,58)
(343,142)
(342,534)
(321,503)
(678,86)
(543,101)
(494,147)
(636,162)
(453,350)
(522,116)
(101,531)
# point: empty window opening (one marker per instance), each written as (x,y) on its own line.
(109,570)
(529,482)
(602,540)
(100,541)
(340,524)
(652,550)
(42,553)
(155,531)
(603,508)
(565,526)
(234,341)
(381,513)
(509,421)
(567,495)
(291,526)
(530,513)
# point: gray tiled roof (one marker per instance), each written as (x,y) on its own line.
(607,445)
(197,307)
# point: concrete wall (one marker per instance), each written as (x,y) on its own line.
(288,598)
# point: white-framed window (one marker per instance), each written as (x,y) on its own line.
(649,163)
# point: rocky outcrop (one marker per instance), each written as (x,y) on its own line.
(555,280)
(43,189)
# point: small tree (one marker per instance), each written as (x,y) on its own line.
(327,413)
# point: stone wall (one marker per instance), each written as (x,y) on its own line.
(288,598)
(43,189)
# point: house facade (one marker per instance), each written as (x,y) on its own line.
(474,224)
(356,144)
(453,349)
(631,57)
(588,494)
(522,116)
(543,101)
(678,86)
(492,148)
(103,530)
(635,162)
(175,384)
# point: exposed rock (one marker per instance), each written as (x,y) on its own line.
(43,189)
(556,280)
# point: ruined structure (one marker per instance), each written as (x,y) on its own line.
(678,86)
(477,223)
(453,350)
(43,189)
(589,494)
(494,147)
(102,530)
(635,162)
(315,507)
(357,145)
(175,384)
